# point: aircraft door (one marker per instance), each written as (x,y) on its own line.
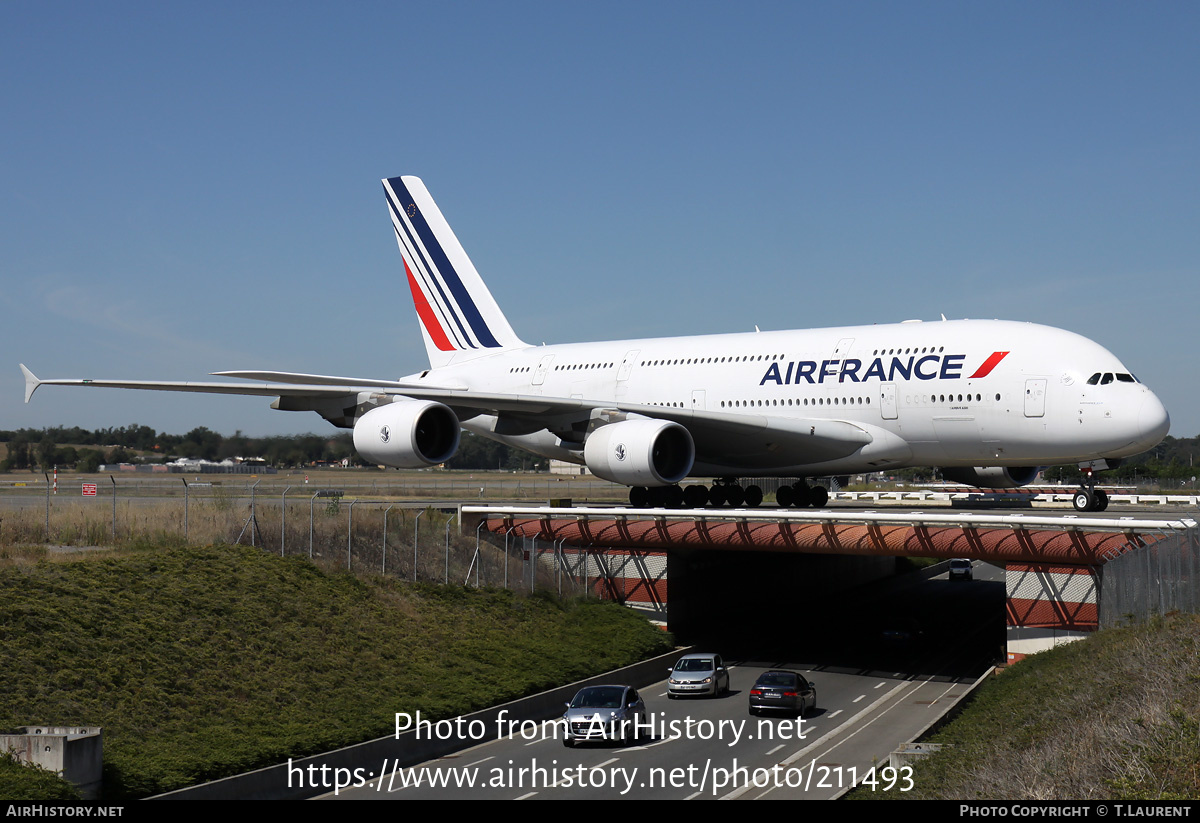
(887,400)
(627,364)
(698,400)
(543,366)
(1035,397)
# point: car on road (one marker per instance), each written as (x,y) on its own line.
(604,714)
(960,569)
(781,690)
(695,674)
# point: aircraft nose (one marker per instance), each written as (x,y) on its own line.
(1153,420)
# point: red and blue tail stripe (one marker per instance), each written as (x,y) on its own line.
(443,294)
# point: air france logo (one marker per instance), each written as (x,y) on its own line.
(929,367)
(619,451)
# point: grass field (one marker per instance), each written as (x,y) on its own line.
(202,662)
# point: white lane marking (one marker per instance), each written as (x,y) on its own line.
(943,694)
(821,741)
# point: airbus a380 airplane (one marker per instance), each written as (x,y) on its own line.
(989,401)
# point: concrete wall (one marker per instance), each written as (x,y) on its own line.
(74,752)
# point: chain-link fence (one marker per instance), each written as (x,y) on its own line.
(353,526)
(1153,579)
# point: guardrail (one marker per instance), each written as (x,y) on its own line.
(1068,522)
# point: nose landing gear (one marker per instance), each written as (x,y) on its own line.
(1089,498)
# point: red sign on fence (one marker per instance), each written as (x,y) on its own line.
(89,489)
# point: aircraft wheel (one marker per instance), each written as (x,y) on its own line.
(695,496)
(639,497)
(785,497)
(734,496)
(801,496)
(754,496)
(819,497)
(672,497)
(1083,501)
(716,496)
(1101,500)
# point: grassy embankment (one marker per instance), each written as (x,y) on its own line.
(1114,716)
(203,662)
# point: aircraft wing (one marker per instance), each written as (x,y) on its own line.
(32,382)
(748,440)
(741,439)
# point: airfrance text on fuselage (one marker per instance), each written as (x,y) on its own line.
(928,367)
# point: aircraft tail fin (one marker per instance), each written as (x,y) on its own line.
(459,317)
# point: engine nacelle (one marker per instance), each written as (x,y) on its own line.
(640,452)
(407,434)
(992,477)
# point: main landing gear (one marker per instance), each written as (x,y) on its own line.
(1089,498)
(801,496)
(724,492)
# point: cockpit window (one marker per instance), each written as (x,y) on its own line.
(1125,378)
(1094,379)
(1106,379)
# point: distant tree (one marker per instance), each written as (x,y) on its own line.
(89,460)
(45,453)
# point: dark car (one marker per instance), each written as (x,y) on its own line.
(783,691)
(604,713)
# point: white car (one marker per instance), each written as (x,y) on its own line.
(960,569)
(696,674)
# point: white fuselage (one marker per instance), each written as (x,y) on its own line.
(949,393)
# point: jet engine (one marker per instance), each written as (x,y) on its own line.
(640,452)
(992,477)
(407,434)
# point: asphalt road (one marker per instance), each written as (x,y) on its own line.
(873,692)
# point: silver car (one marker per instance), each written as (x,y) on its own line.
(698,674)
(604,713)
(960,569)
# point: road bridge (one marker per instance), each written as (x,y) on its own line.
(1066,575)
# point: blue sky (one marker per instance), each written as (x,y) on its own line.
(190,187)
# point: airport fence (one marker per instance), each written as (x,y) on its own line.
(1154,579)
(337,527)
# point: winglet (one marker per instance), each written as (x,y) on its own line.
(31,382)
